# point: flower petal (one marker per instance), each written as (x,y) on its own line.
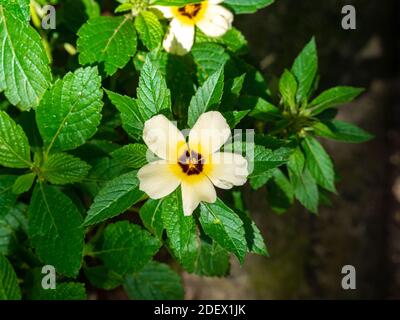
(165,10)
(163,138)
(179,39)
(227,170)
(193,192)
(157,180)
(209,133)
(217,21)
(215,1)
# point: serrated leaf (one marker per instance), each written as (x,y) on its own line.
(103,278)
(297,162)
(234,117)
(261,109)
(111,40)
(14,145)
(288,88)
(267,159)
(305,68)
(209,57)
(149,29)
(63,291)
(254,239)
(151,215)
(9,288)
(7,197)
(69,112)
(132,120)
(23,183)
(131,156)
(156,281)
(333,97)
(233,39)
(181,230)
(319,163)
(207,97)
(55,229)
(13,227)
(127,248)
(247,6)
(342,131)
(305,190)
(24,66)
(19,8)
(62,168)
(212,259)
(153,96)
(224,226)
(114,198)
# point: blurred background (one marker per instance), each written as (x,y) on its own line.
(362,227)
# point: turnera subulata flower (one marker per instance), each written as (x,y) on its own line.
(197,165)
(211,18)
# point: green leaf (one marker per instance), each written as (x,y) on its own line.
(150,29)
(127,248)
(131,156)
(234,117)
(116,197)
(153,96)
(288,88)
(305,69)
(156,281)
(14,145)
(209,58)
(13,227)
(342,131)
(297,162)
(103,278)
(181,230)
(280,193)
(92,8)
(19,8)
(9,289)
(212,259)
(247,6)
(127,6)
(62,168)
(63,291)
(23,183)
(151,215)
(334,97)
(111,40)
(207,97)
(55,229)
(224,226)
(24,66)
(7,197)
(132,120)
(66,121)
(178,3)
(233,39)
(267,159)
(254,239)
(319,163)
(305,190)
(261,109)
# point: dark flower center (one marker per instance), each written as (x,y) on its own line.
(190,10)
(191,163)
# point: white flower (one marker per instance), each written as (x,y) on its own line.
(212,19)
(196,166)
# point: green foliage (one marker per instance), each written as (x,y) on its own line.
(156,281)
(68,194)
(24,73)
(114,45)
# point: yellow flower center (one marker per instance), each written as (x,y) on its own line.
(191,13)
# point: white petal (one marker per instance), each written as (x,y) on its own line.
(215,1)
(157,179)
(166,11)
(179,39)
(193,192)
(217,21)
(227,170)
(163,138)
(209,133)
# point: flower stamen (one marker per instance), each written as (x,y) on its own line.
(191,163)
